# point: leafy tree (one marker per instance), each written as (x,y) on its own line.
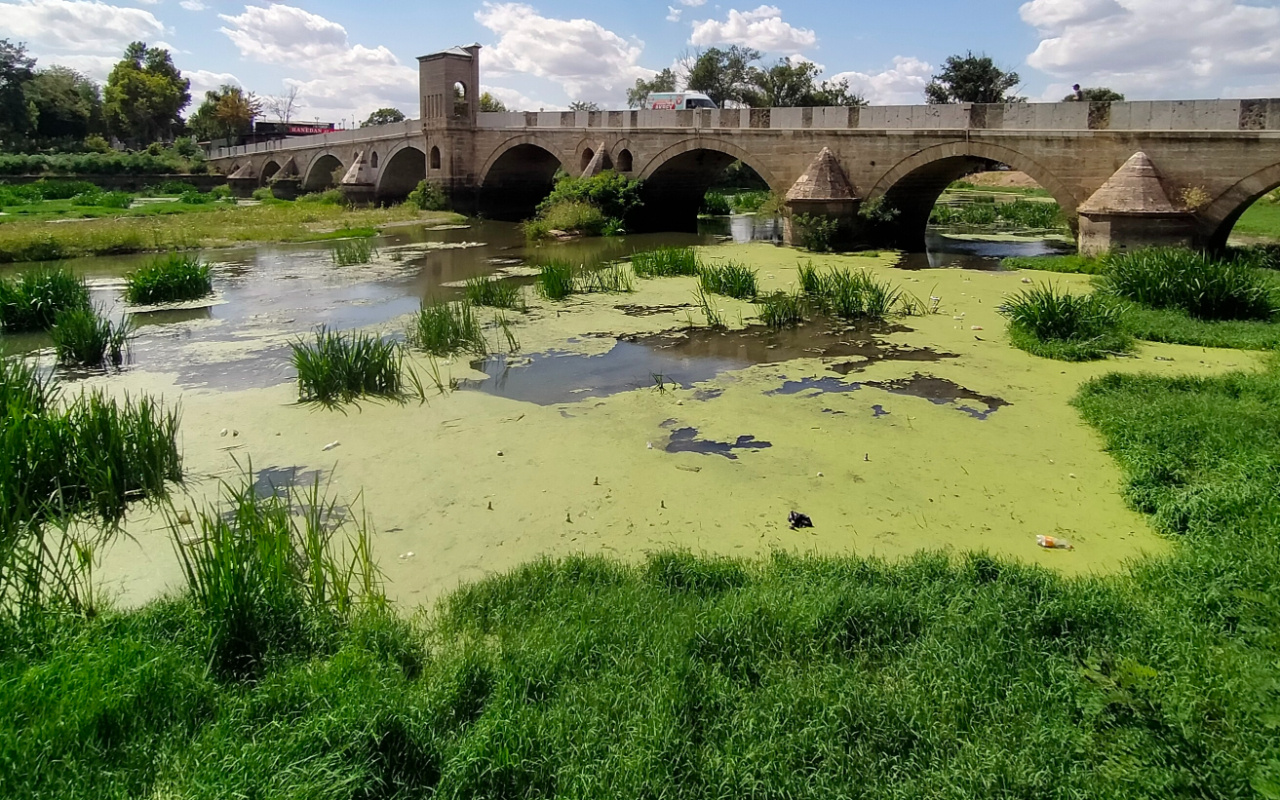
(383,116)
(144,94)
(490,103)
(1099,94)
(971,79)
(68,104)
(792,82)
(664,81)
(226,113)
(584,105)
(723,75)
(17,70)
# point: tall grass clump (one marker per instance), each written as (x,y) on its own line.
(443,328)
(338,367)
(268,574)
(557,280)
(84,338)
(1054,323)
(1197,283)
(174,278)
(732,279)
(353,252)
(666,262)
(32,301)
(485,291)
(850,294)
(609,279)
(782,309)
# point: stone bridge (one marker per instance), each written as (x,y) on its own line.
(1126,174)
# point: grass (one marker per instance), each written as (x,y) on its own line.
(443,328)
(1074,264)
(852,294)
(951,676)
(266,574)
(84,338)
(1054,323)
(1262,219)
(33,300)
(353,252)
(174,278)
(485,291)
(203,226)
(340,367)
(782,310)
(1028,214)
(666,262)
(732,279)
(567,216)
(1203,286)
(609,279)
(1178,327)
(559,279)
(714,316)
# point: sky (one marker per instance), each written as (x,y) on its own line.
(347,59)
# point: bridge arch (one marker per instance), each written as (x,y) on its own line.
(403,168)
(320,173)
(677,179)
(518,175)
(1217,219)
(914,184)
(269,171)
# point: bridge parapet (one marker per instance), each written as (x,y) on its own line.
(410,128)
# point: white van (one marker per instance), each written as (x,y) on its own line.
(676,101)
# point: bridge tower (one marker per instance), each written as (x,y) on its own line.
(449,85)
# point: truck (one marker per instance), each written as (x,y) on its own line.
(676,101)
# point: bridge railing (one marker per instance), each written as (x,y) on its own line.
(410,127)
(1156,115)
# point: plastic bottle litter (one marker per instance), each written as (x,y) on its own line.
(1054,543)
(331,446)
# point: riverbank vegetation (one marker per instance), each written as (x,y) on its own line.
(594,206)
(174,278)
(32,300)
(343,366)
(1030,215)
(83,337)
(1054,323)
(947,674)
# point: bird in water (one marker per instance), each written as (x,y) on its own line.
(799,520)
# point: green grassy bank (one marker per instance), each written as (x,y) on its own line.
(938,677)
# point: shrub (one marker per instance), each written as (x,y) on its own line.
(748,202)
(1053,323)
(263,194)
(340,367)
(174,278)
(1199,284)
(32,301)
(715,204)
(816,233)
(428,196)
(731,279)
(443,328)
(329,197)
(569,216)
(118,200)
(193,197)
(666,262)
(613,194)
(83,338)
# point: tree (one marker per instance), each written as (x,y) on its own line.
(17,70)
(383,116)
(793,82)
(971,79)
(584,105)
(489,103)
(68,105)
(722,75)
(282,106)
(664,81)
(1099,94)
(144,94)
(226,113)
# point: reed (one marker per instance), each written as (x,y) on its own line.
(609,279)
(174,278)
(484,291)
(557,280)
(443,328)
(666,262)
(352,252)
(782,309)
(84,338)
(339,367)
(1053,323)
(1203,286)
(732,279)
(32,301)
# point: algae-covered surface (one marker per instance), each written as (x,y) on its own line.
(616,430)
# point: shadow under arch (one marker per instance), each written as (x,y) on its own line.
(268,172)
(677,179)
(401,172)
(913,185)
(320,173)
(1219,218)
(518,176)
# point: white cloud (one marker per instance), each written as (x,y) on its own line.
(673,13)
(83,34)
(588,60)
(762,29)
(902,84)
(693,3)
(203,80)
(516,101)
(193,5)
(340,80)
(1154,48)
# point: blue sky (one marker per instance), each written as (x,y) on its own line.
(349,58)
